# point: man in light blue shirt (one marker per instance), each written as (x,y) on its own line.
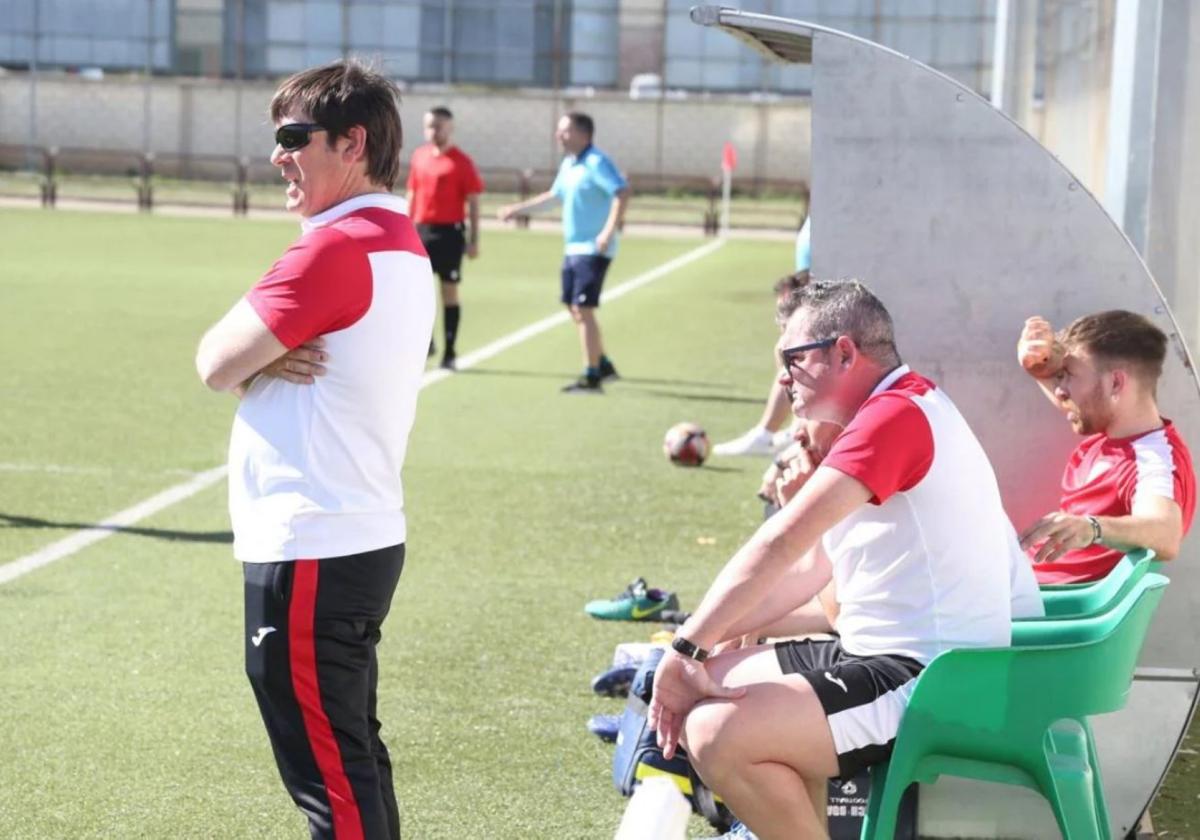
(804,247)
(594,196)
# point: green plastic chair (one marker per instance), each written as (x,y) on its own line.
(1080,600)
(1018,716)
(1126,562)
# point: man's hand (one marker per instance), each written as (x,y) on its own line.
(790,470)
(506,212)
(300,366)
(766,491)
(679,684)
(1058,533)
(737,643)
(472,250)
(800,464)
(602,242)
(1038,351)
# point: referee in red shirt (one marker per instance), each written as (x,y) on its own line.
(442,179)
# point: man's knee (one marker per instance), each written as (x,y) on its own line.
(706,736)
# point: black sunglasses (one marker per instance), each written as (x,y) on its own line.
(792,356)
(295,136)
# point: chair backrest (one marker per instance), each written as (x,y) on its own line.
(1094,598)
(1081,667)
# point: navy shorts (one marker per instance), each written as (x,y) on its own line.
(864,697)
(582,279)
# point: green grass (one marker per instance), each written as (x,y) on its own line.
(126,712)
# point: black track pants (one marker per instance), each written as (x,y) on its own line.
(311,631)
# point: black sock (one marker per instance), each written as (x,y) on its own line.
(450,317)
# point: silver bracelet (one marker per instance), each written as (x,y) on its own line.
(1096,535)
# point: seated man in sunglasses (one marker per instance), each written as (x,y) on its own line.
(326,353)
(904,514)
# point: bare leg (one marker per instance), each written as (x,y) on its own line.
(449,294)
(589,334)
(765,753)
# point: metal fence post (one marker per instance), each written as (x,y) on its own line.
(712,216)
(145,190)
(241,194)
(523,178)
(49,175)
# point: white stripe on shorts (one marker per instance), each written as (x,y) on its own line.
(874,723)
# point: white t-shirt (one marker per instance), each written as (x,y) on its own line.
(314,470)
(932,562)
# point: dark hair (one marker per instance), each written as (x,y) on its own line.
(344,94)
(1117,336)
(582,122)
(442,112)
(846,307)
(790,283)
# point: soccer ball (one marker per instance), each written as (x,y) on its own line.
(686,444)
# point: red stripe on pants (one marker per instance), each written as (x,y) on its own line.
(302,653)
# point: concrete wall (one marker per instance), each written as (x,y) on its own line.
(504,131)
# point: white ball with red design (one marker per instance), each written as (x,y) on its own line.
(686,444)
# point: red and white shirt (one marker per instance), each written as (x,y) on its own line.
(440,183)
(932,563)
(314,470)
(1104,477)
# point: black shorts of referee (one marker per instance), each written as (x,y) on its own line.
(445,245)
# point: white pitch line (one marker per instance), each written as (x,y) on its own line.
(172,495)
(67,469)
(129,516)
(470,360)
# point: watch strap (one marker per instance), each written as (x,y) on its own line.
(682,646)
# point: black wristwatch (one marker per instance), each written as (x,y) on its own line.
(683,646)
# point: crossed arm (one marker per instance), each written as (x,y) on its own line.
(239,347)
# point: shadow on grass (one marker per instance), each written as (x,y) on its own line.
(716,398)
(10,521)
(622,380)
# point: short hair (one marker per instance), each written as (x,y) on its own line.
(846,307)
(442,112)
(1119,337)
(344,94)
(582,122)
(791,282)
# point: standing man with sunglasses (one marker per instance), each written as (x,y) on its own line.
(594,196)
(883,517)
(326,353)
(441,180)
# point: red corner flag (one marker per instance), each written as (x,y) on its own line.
(728,157)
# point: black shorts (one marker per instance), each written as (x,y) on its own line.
(864,697)
(583,278)
(445,245)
